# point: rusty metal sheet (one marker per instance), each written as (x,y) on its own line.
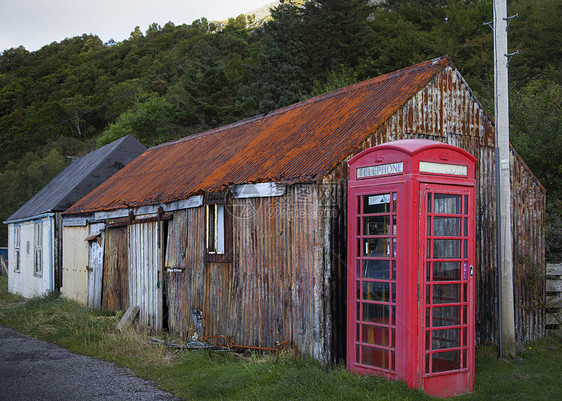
(301,142)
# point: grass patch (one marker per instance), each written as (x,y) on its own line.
(5,297)
(207,375)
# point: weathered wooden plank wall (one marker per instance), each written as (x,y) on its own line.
(115,287)
(219,308)
(553,316)
(75,263)
(95,265)
(185,269)
(145,286)
(177,286)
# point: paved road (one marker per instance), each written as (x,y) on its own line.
(36,370)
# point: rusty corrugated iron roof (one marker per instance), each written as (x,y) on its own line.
(298,143)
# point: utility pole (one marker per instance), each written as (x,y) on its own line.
(503,196)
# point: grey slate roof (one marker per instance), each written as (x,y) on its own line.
(80,177)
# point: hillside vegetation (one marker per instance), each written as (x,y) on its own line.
(167,82)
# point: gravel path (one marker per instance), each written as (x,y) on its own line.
(36,370)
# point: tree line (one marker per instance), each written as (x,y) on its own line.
(171,81)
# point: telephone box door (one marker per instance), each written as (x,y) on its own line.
(373,291)
(446,307)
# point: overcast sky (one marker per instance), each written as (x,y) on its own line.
(35,23)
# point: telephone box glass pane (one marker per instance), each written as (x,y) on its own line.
(443,271)
(373,313)
(446,316)
(448,338)
(376,204)
(375,335)
(446,249)
(446,293)
(376,225)
(447,226)
(375,357)
(447,204)
(376,269)
(444,361)
(376,247)
(376,291)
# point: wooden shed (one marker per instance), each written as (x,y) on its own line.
(35,238)
(246,223)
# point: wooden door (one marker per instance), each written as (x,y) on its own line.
(446,307)
(372,285)
(115,288)
(145,275)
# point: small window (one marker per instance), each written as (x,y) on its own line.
(38,267)
(215,229)
(17,241)
(218,228)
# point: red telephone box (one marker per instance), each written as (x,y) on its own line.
(411,247)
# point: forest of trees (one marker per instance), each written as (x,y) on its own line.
(68,98)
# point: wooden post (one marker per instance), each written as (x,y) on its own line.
(507,340)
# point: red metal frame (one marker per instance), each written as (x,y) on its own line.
(410,266)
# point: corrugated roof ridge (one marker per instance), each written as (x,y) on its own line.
(445,61)
(92,158)
(391,75)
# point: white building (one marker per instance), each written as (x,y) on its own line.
(35,229)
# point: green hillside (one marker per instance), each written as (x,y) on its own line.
(168,82)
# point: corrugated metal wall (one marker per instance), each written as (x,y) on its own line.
(278,286)
(528,210)
(287,278)
(464,123)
